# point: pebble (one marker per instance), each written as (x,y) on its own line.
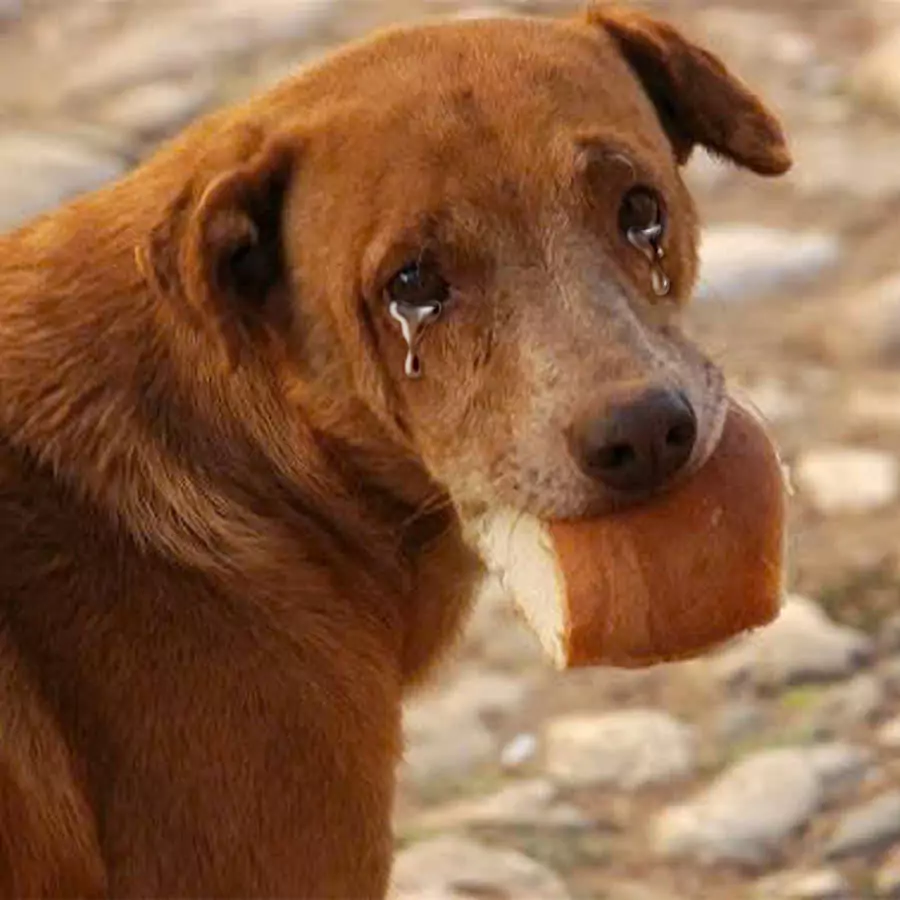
(497,636)
(629,749)
(457,868)
(839,766)
(633,890)
(867,829)
(841,480)
(448,733)
(890,675)
(889,634)
(491,695)
(535,803)
(845,706)
(868,328)
(752,37)
(446,752)
(876,79)
(190,38)
(818,884)
(40,170)
(826,164)
(738,720)
(801,645)
(520,751)
(157,110)
(889,734)
(875,406)
(482,12)
(887,878)
(746,814)
(741,262)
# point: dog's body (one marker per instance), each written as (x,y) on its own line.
(231,528)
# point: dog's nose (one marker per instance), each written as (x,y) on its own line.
(640,445)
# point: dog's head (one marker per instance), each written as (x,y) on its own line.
(478,232)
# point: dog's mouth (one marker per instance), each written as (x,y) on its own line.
(482,525)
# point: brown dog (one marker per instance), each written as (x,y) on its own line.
(232,517)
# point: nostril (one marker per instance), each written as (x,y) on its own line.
(681,435)
(614,456)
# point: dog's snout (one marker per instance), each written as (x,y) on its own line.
(638,445)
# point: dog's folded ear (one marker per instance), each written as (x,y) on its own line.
(698,100)
(219,246)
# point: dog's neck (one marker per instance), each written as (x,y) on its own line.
(428,534)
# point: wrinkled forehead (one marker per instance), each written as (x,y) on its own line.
(541,68)
(470,126)
(511,85)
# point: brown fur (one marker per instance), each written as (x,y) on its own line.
(231,531)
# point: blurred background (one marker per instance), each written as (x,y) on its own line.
(771,770)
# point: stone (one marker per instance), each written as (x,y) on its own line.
(741,262)
(635,890)
(888,735)
(826,163)
(867,329)
(520,751)
(738,720)
(841,480)
(801,645)
(457,868)
(749,37)
(746,814)
(183,39)
(839,766)
(876,79)
(39,170)
(867,829)
(889,635)
(856,702)
(497,635)
(817,884)
(874,406)
(890,675)
(630,749)
(160,108)
(448,732)
(887,878)
(482,12)
(446,752)
(534,803)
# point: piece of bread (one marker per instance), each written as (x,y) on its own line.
(664,581)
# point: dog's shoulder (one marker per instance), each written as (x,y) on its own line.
(48,838)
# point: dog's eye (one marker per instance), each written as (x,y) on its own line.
(417,284)
(641,210)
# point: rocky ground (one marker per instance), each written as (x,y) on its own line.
(769,771)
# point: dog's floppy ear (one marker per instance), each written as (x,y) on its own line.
(698,100)
(219,246)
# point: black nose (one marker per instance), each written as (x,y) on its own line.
(638,445)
